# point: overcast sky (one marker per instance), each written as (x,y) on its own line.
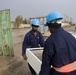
(36,8)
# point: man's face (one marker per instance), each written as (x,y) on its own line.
(35,28)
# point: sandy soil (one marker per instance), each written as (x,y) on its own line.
(17,65)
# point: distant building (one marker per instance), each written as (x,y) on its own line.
(64,24)
(24,26)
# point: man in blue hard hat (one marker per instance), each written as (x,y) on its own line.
(32,39)
(59,54)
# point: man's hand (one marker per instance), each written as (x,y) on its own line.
(25,57)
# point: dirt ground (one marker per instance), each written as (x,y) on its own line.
(17,65)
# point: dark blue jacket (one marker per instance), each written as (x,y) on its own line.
(59,50)
(32,41)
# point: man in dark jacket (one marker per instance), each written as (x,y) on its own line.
(32,39)
(59,54)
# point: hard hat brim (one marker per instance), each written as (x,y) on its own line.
(35,25)
(53,20)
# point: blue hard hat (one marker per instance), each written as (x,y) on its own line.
(54,15)
(35,22)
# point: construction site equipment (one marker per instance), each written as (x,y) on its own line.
(6,42)
(34,57)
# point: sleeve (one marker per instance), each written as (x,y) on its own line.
(41,41)
(24,44)
(46,59)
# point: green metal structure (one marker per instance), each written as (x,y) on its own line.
(6,42)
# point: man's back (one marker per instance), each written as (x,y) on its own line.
(61,49)
(64,48)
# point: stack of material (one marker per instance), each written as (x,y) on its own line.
(25,26)
(47,34)
(34,56)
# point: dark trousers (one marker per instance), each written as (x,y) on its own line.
(32,70)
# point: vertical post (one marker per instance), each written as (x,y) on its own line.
(7,43)
(0,36)
(9,32)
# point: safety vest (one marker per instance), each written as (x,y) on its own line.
(66,68)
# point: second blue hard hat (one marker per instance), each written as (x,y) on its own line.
(35,22)
(54,15)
